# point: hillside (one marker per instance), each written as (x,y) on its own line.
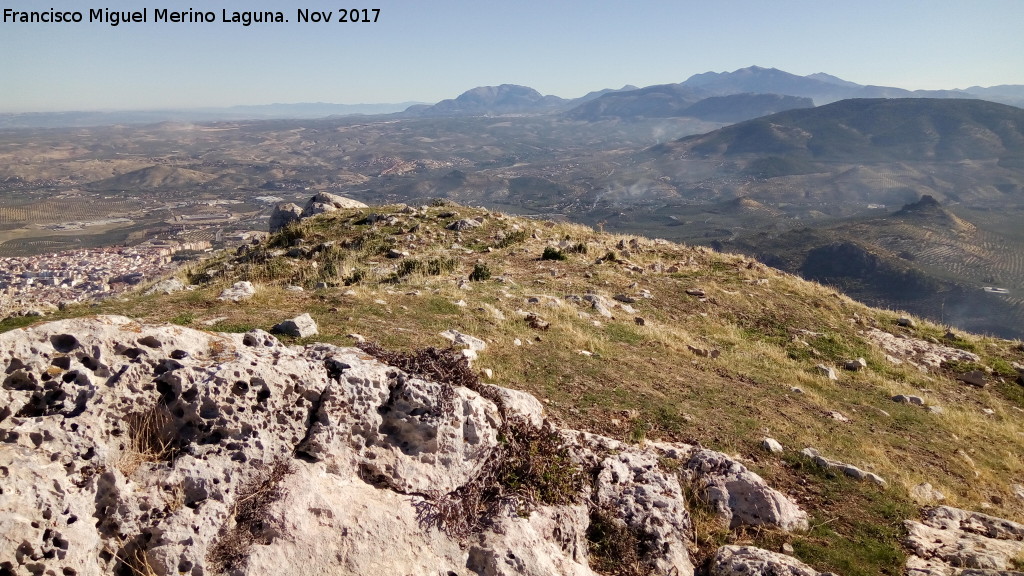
(153,177)
(676,100)
(922,257)
(876,129)
(644,340)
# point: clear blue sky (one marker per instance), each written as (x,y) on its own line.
(431,50)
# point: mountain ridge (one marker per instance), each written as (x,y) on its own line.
(633,338)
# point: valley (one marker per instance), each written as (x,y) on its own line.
(778,187)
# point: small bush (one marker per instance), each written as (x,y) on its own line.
(577,248)
(552,253)
(511,238)
(480,273)
(357,276)
(614,547)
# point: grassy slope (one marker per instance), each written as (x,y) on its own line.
(642,381)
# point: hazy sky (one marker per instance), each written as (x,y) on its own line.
(430,50)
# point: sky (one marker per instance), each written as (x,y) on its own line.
(427,51)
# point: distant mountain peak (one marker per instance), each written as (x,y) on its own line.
(929,209)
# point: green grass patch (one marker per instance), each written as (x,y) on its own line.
(184,319)
(856,527)
(15,322)
(623,333)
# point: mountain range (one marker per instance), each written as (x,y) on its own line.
(628,102)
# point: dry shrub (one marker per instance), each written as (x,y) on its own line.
(251,519)
(530,466)
(151,438)
(130,556)
(615,548)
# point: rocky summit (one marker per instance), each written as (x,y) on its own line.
(158,449)
(602,404)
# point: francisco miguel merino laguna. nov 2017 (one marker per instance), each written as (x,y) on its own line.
(116,17)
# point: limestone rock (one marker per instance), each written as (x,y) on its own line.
(855,365)
(325,202)
(949,537)
(651,501)
(918,352)
(168,286)
(772,445)
(751,561)
(826,371)
(740,496)
(975,378)
(122,440)
(464,224)
(302,326)
(238,291)
(552,541)
(471,342)
(924,493)
(283,215)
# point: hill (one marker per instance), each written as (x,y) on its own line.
(676,100)
(876,129)
(822,88)
(491,100)
(636,339)
(153,177)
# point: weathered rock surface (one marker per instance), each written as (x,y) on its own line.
(302,326)
(751,561)
(124,446)
(847,469)
(740,496)
(921,353)
(326,202)
(238,291)
(948,539)
(168,286)
(283,215)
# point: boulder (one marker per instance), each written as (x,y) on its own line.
(741,497)
(855,365)
(238,291)
(283,215)
(826,371)
(464,224)
(974,378)
(751,561)
(302,326)
(326,202)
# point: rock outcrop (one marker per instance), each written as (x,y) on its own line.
(167,450)
(283,215)
(950,539)
(326,202)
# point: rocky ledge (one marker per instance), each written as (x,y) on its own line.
(136,449)
(127,448)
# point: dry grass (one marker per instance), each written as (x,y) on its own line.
(151,438)
(250,519)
